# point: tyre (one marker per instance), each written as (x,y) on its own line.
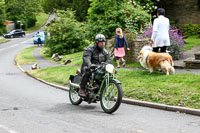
(111,97)
(74,97)
(11,36)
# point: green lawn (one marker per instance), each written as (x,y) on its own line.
(76,59)
(192,41)
(3,40)
(58,75)
(41,20)
(178,89)
(26,56)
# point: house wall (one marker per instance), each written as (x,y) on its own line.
(10,27)
(182,11)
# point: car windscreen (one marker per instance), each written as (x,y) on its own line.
(11,32)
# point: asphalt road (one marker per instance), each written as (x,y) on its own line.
(29,106)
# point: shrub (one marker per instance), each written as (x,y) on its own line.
(106,15)
(2,30)
(22,10)
(147,5)
(31,21)
(177,42)
(66,34)
(191,29)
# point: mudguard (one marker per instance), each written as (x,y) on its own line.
(116,81)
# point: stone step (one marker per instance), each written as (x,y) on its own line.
(192,63)
(197,56)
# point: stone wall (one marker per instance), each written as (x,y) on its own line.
(182,11)
(135,46)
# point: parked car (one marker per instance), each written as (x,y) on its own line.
(39,37)
(14,33)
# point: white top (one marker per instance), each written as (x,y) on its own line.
(160,35)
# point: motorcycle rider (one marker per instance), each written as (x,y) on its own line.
(95,54)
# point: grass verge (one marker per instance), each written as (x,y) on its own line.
(191,42)
(76,59)
(41,20)
(179,89)
(3,40)
(26,56)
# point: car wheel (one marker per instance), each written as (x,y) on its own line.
(11,36)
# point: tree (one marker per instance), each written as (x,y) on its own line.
(66,34)
(2,17)
(23,10)
(106,15)
(50,5)
(80,6)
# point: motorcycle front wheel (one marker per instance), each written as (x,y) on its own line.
(74,97)
(111,97)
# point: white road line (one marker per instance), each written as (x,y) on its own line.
(16,44)
(7,129)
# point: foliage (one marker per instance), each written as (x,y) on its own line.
(105,16)
(2,17)
(41,20)
(177,42)
(191,42)
(23,10)
(148,5)
(50,5)
(66,34)
(191,29)
(80,6)
(2,13)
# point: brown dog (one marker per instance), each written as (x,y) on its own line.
(155,61)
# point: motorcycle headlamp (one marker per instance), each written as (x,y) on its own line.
(110,68)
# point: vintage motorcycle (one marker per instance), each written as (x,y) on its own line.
(102,86)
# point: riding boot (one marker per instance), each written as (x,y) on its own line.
(82,92)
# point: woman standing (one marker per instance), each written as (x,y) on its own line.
(119,51)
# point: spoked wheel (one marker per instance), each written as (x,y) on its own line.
(111,97)
(74,96)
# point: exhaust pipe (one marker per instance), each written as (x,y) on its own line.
(73,84)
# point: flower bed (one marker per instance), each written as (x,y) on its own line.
(177,41)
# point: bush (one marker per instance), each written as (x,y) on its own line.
(31,21)
(177,42)
(105,16)
(2,30)
(191,29)
(147,5)
(66,34)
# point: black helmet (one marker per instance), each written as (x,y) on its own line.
(100,38)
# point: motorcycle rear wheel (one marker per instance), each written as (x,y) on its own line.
(111,97)
(74,97)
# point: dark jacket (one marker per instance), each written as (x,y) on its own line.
(119,42)
(93,55)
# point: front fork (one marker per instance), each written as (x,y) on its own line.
(105,81)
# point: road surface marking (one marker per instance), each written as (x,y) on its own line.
(15,44)
(7,129)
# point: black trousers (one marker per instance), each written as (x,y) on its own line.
(162,49)
(85,78)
